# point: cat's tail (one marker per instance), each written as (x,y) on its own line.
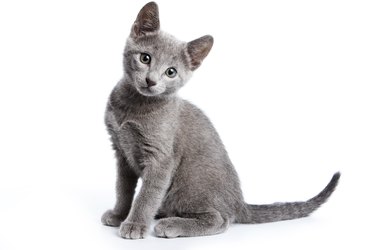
(286,211)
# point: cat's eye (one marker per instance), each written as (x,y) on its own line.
(171,72)
(145,58)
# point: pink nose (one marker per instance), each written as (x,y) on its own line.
(150,83)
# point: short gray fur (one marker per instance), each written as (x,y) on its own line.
(189,182)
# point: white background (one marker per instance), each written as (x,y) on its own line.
(289,85)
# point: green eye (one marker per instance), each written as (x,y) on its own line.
(171,72)
(145,58)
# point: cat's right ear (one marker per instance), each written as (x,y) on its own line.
(147,21)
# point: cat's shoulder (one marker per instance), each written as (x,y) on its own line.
(190,110)
(187,106)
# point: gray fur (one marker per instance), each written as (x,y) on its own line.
(189,182)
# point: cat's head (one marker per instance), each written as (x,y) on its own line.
(156,63)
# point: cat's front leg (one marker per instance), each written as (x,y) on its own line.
(125,188)
(156,180)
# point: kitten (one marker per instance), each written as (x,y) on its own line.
(189,182)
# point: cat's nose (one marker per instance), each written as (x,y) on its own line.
(150,83)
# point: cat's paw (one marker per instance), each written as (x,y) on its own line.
(109,218)
(166,228)
(132,230)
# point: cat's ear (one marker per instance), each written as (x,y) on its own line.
(147,21)
(198,49)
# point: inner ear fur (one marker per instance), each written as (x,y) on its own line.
(198,49)
(147,21)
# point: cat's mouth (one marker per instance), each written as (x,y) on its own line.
(150,89)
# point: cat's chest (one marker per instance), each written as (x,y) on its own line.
(139,139)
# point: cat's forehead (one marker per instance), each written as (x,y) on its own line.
(160,43)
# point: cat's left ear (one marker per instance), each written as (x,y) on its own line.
(147,21)
(198,49)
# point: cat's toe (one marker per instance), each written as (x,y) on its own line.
(166,229)
(132,230)
(109,218)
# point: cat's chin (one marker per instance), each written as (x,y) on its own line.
(148,91)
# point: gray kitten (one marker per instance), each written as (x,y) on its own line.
(189,182)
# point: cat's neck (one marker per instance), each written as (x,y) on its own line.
(127,98)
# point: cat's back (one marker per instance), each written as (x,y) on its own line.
(194,122)
(198,135)
(204,166)
(202,145)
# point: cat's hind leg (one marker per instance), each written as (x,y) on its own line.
(192,224)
